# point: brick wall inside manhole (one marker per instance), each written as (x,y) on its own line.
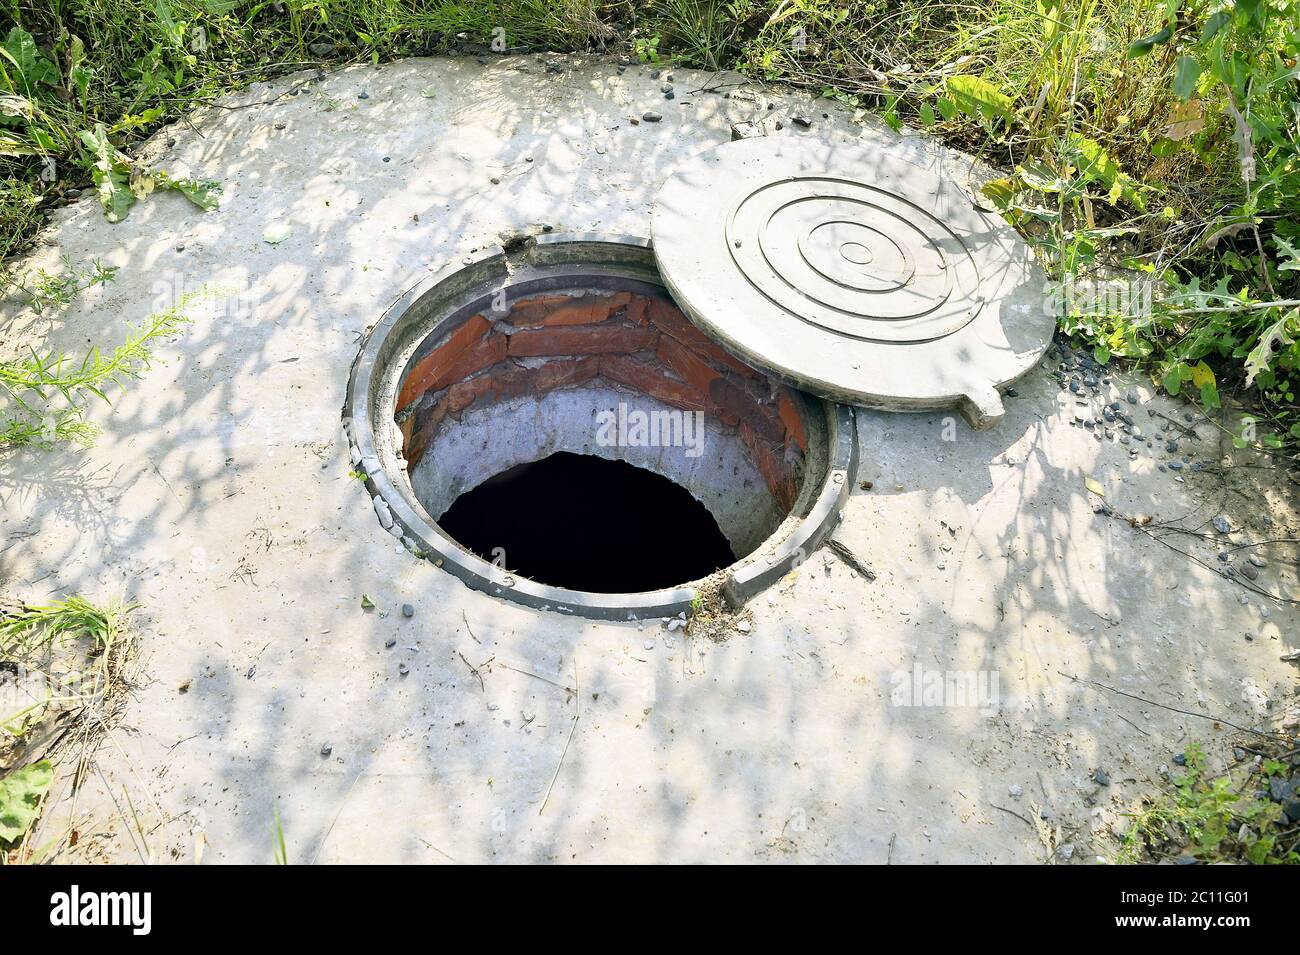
(584,446)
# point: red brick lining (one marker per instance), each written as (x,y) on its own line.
(640,342)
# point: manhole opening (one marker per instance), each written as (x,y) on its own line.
(537,520)
(549,427)
(596,367)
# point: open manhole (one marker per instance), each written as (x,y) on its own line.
(547,425)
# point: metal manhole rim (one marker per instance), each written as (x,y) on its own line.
(420,533)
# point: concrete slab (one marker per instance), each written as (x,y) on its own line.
(219,497)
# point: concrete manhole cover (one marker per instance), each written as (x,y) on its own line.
(853,274)
(854,259)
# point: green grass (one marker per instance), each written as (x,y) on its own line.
(82,649)
(1213,819)
(44,398)
(1115,123)
(37,633)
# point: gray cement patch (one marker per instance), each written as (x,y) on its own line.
(219,497)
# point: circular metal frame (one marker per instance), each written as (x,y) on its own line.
(438,304)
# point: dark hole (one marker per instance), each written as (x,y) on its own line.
(586,523)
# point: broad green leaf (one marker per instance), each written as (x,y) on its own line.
(204,193)
(1145,45)
(1186,74)
(976,96)
(21,793)
(1040,176)
(1276,334)
(1202,375)
(1210,395)
(1001,191)
(1173,379)
(1096,165)
(31,67)
(1292,260)
(1214,24)
(111,173)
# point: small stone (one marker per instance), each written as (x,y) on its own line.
(403,669)
(1291,809)
(803,122)
(1180,759)
(363,95)
(1014,791)
(1221,524)
(649,644)
(408,611)
(1257,561)
(650,116)
(1132,398)
(390,642)
(1012,393)
(1249,572)
(1100,777)
(743,626)
(670,95)
(326,749)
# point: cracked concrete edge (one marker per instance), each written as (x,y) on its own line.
(422,537)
